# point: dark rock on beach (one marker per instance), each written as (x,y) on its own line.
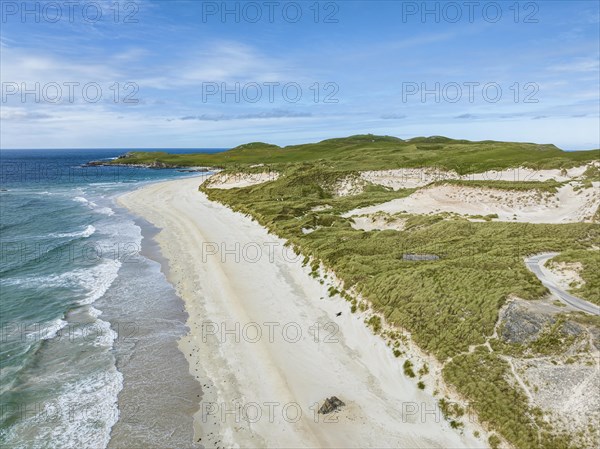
(331,405)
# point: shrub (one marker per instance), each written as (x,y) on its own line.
(494,442)
(408,368)
(375,323)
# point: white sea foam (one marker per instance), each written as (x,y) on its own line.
(97,333)
(105,210)
(98,279)
(44,331)
(89,230)
(92,205)
(93,281)
(81,416)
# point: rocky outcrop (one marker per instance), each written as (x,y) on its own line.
(156,164)
(524,324)
(521,325)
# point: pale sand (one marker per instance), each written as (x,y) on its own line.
(412,178)
(359,368)
(238,180)
(568,205)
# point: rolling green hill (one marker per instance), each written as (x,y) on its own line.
(449,305)
(370,152)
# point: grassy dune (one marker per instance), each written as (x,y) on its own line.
(369,152)
(447,304)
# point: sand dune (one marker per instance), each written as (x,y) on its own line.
(239,180)
(249,283)
(568,205)
(411,178)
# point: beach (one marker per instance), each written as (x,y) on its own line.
(268,344)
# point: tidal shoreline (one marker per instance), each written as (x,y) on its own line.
(158,397)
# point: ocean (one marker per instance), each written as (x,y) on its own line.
(88,321)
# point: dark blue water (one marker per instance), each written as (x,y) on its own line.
(67,255)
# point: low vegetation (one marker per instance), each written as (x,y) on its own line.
(408,368)
(448,304)
(370,152)
(549,186)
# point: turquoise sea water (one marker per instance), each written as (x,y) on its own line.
(79,300)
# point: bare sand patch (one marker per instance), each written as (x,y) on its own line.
(568,205)
(407,178)
(237,180)
(527,174)
(557,383)
(350,185)
(567,275)
(321,208)
(378,222)
(412,178)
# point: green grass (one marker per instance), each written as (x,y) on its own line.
(407,367)
(375,323)
(370,152)
(447,304)
(592,173)
(552,340)
(549,186)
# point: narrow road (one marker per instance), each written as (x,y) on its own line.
(536,265)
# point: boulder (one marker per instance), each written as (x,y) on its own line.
(331,405)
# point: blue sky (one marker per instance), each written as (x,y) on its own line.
(188,76)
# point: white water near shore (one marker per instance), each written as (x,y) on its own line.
(267,346)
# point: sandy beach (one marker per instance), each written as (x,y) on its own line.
(266,343)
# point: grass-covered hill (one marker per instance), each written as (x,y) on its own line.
(370,152)
(450,305)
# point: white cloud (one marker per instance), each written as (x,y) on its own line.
(26,66)
(578,65)
(11,113)
(220,62)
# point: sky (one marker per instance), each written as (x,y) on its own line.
(197,74)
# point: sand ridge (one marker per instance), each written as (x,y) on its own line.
(568,205)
